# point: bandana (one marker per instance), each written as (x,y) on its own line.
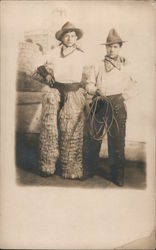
(65,51)
(111,63)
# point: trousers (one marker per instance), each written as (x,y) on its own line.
(110,116)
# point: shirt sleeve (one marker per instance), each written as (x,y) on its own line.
(132,87)
(91,83)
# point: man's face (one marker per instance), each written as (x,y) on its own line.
(113,50)
(69,39)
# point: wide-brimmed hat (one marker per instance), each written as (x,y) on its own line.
(67,27)
(113,37)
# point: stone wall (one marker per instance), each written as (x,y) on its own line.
(28,54)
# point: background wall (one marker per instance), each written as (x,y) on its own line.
(95,20)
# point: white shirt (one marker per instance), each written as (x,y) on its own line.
(115,81)
(68,69)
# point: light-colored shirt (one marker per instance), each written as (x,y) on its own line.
(68,69)
(115,81)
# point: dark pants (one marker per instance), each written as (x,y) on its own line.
(110,116)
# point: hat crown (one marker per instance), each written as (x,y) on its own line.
(113,37)
(68,26)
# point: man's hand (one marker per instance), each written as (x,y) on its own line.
(99,92)
(50,80)
(91,88)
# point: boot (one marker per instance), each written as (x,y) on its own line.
(117,175)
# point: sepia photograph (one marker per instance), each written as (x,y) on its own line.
(80,98)
(78,124)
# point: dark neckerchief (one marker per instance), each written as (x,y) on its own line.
(110,63)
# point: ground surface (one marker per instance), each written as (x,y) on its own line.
(27,170)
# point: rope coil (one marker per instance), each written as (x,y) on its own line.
(102,125)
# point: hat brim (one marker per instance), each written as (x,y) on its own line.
(59,34)
(112,42)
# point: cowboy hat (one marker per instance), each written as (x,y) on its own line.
(67,27)
(113,37)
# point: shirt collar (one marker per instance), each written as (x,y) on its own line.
(112,63)
(65,51)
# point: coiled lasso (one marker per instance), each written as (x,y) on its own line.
(103,124)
